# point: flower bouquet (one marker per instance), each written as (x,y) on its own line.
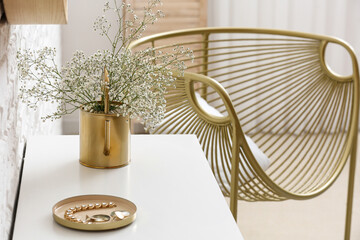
(136,82)
(109,87)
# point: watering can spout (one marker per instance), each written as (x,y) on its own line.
(106,111)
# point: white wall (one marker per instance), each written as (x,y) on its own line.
(78,34)
(17,122)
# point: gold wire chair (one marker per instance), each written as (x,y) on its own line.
(276,87)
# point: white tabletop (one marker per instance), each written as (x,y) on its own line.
(168,179)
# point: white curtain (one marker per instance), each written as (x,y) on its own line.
(338,18)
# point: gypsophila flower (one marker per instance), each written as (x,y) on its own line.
(137,81)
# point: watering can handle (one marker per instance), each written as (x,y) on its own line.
(107,138)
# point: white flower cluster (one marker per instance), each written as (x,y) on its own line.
(137,81)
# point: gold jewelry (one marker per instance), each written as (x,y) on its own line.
(119,215)
(100,218)
(69,213)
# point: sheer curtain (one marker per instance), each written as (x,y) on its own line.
(338,18)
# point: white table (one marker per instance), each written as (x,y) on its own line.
(168,179)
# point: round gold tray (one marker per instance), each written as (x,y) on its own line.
(122,204)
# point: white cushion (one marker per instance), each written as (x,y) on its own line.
(206,107)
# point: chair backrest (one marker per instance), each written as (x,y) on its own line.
(301,114)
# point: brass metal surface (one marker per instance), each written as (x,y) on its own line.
(104,140)
(121,205)
(106,92)
(276,87)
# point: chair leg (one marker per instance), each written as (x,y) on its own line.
(233,201)
(350,191)
(234,182)
(233,204)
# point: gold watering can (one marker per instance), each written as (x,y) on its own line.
(104,137)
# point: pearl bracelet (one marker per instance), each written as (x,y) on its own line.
(69,213)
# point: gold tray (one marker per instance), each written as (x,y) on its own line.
(122,204)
